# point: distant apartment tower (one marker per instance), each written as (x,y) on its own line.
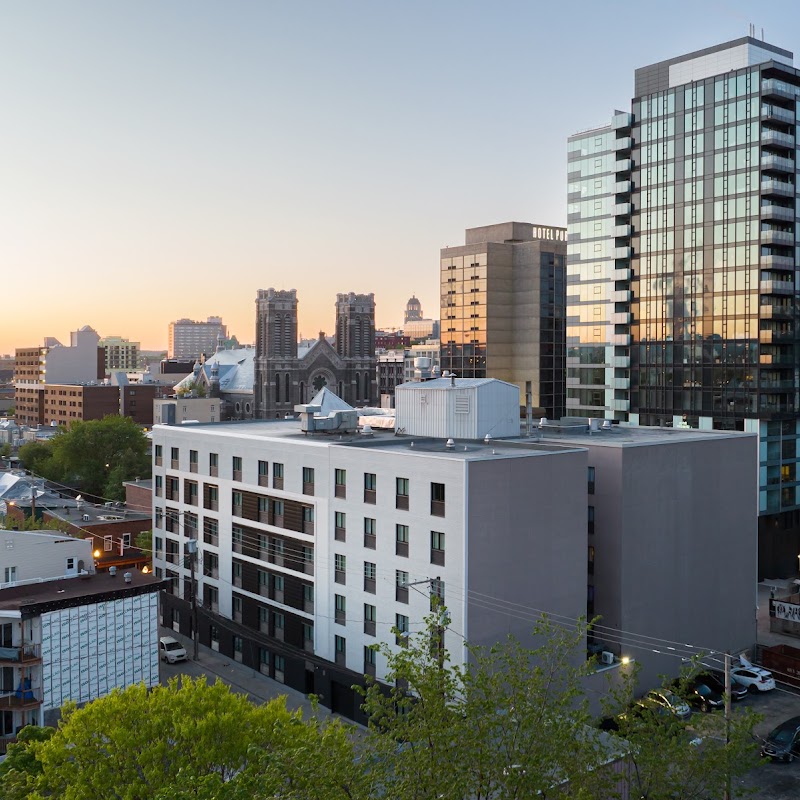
(120,354)
(503,309)
(53,363)
(191,339)
(682,264)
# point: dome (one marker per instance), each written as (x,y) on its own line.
(413,309)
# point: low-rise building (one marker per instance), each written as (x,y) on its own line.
(66,633)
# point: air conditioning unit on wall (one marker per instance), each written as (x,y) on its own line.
(607,657)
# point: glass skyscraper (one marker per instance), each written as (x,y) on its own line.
(682,281)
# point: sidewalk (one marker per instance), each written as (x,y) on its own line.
(259,688)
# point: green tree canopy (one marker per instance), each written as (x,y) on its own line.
(184,740)
(100,454)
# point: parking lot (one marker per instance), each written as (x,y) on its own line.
(773,780)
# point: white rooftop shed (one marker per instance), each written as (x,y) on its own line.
(458,408)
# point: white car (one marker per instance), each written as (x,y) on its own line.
(171,650)
(756,679)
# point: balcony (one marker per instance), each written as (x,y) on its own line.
(21,656)
(622,187)
(621,296)
(778,114)
(777,138)
(768,336)
(620,339)
(620,405)
(622,252)
(621,383)
(773,211)
(622,230)
(622,120)
(776,311)
(781,188)
(773,359)
(5,742)
(776,385)
(623,165)
(620,362)
(622,210)
(622,274)
(621,144)
(772,87)
(776,287)
(777,262)
(784,238)
(21,699)
(620,318)
(778,163)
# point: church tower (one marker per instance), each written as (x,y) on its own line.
(276,351)
(355,344)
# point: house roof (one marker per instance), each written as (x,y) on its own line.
(235,369)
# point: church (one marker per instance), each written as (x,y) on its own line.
(286,377)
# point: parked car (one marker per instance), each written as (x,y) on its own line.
(702,696)
(783,744)
(171,650)
(716,682)
(756,679)
(664,700)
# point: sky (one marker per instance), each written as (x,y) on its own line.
(162,160)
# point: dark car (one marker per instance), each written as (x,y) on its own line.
(783,744)
(716,682)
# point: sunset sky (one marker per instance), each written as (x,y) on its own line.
(168,159)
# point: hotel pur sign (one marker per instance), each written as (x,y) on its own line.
(554,234)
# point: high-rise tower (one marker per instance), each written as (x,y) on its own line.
(682,295)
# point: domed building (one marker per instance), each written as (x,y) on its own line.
(413,310)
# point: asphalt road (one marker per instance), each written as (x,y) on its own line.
(773,780)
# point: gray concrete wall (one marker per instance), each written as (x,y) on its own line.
(526,541)
(684,536)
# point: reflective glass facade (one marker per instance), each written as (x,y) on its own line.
(710,328)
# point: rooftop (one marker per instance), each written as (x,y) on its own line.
(16,598)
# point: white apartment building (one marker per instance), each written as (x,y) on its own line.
(191,339)
(67,633)
(313,546)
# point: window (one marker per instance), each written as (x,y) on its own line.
(237,647)
(159,455)
(370,527)
(108,544)
(158,547)
(308,598)
(193,461)
(175,457)
(280,667)
(370,571)
(213,464)
(401,540)
(210,531)
(401,586)
(190,488)
(211,499)
(370,484)
(437,593)
(591,480)
(277,476)
(341,609)
(340,572)
(236,573)
(340,483)
(340,526)
(263,473)
(370,616)
(437,548)
(401,497)
(237,468)
(126,541)
(340,647)
(159,521)
(591,560)
(308,480)
(401,624)
(159,486)
(10,574)
(591,519)
(369,660)
(437,499)
(237,539)
(308,635)
(263,583)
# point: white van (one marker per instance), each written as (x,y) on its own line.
(171,650)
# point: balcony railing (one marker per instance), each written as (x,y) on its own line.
(776,112)
(24,654)
(21,698)
(774,211)
(777,138)
(5,742)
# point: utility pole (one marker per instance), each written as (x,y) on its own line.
(191,548)
(728,687)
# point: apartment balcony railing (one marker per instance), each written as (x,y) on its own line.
(782,188)
(772,87)
(622,230)
(776,287)
(622,187)
(623,143)
(774,211)
(21,698)
(620,317)
(620,362)
(623,165)
(777,138)
(622,209)
(779,163)
(778,113)
(775,337)
(777,262)
(776,311)
(784,238)
(21,655)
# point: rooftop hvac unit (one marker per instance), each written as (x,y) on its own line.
(86,517)
(607,657)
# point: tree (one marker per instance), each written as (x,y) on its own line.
(188,740)
(20,769)
(672,760)
(511,724)
(101,454)
(5,450)
(38,458)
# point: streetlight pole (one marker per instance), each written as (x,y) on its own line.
(728,682)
